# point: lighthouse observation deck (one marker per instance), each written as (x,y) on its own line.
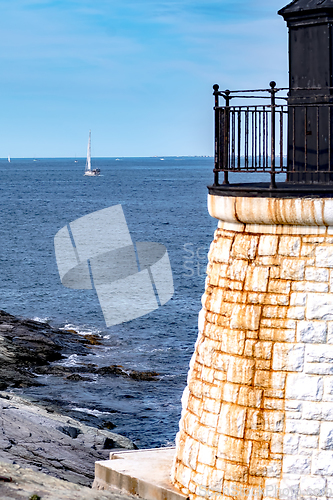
(284,135)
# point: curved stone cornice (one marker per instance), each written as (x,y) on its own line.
(272,211)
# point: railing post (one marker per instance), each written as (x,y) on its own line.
(217,155)
(272,92)
(226,132)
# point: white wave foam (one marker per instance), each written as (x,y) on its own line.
(80,331)
(95,413)
(40,320)
(72,360)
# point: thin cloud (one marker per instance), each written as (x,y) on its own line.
(73,63)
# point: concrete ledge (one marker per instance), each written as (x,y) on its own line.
(145,473)
(272,211)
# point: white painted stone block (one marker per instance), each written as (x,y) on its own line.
(308,427)
(296,415)
(319,306)
(318,411)
(245,246)
(240,370)
(304,387)
(287,489)
(329,486)
(319,368)
(192,363)
(298,299)
(245,317)
(292,269)
(232,420)
(291,405)
(212,405)
(322,463)
(191,450)
(230,393)
(309,441)
(313,485)
(267,245)
(290,444)
(288,357)
(290,246)
(201,320)
(319,354)
(256,279)
(316,274)
(330,332)
(312,332)
(216,480)
(237,269)
(309,286)
(331,279)
(324,256)
(328,389)
(326,436)
(209,419)
(184,475)
(185,397)
(296,313)
(206,455)
(276,443)
(271,421)
(296,464)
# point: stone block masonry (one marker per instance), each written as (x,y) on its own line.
(257,419)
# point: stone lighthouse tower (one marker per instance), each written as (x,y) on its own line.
(257,419)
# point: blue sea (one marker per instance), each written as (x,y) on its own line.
(164,201)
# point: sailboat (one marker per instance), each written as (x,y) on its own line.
(8,158)
(89,170)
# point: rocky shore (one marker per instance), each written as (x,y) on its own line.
(28,347)
(37,436)
(17,483)
(33,437)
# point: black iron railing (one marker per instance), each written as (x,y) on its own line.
(288,135)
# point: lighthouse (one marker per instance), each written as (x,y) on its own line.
(257,412)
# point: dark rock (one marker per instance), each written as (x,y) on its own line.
(27,345)
(76,377)
(111,370)
(70,431)
(109,444)
(108,425)
(57,370)
(93,339)
(136,375)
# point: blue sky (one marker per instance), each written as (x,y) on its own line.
(138,73)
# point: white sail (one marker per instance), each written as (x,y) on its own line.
(9,158)
(90,171)
(88,162)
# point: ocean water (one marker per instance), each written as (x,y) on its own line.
(164,201)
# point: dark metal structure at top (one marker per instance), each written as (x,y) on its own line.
(290,135)
(310,47)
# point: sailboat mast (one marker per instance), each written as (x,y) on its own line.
(88,163)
